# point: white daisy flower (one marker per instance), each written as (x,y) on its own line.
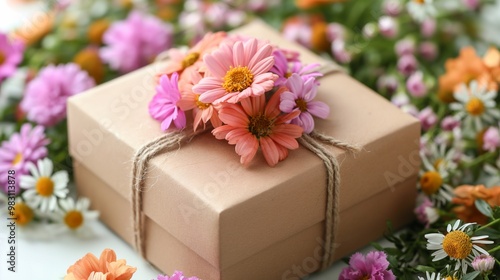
(432,276)
(476,106)
(434,182)
(421,10)
(457,244)
(75,217)
(28,228)
(42,187)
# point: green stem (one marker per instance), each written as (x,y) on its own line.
(489,224)
(479,159)
(494,249)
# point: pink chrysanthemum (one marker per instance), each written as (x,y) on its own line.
(135,42)
(236,72)
(11,54)
(181,59)
(29,145)
(374,267)
(254,123)
(178,275)
(164,107)
(190,101)
(284,68)
(45,98)
(300,97)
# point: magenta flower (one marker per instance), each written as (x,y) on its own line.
(405,46)
(27,146)
(428,27)
(449,123)
(483,263)
(11,54)
(407,64)
(372,267)
(178,275)
(426,212)
(416,85)
(300,96)
(164,107)
(388,26)
(427,118)
(237,71)
(135,42)
(491,139)
(44,101)
(428,50)
(284,69)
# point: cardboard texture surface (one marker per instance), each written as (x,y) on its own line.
(208,215)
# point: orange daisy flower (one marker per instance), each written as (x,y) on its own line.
(104,268)
(465,198)
(253,124)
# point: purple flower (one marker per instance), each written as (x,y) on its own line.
(491,139)
(407,64)
(134,42)
(387,83)
(298,32)
(471,4)
(284,68)
(372,267)
(428,27)
(340,53)
(300,96)
(400,100)
(388,26)
(428,50)
(335,31)
(164,107)
(427,118)
(405,46)
(483,263)
(27,146)
(416,85)
(426,212)
(45,98)
(178,275)
(449,123)
(11,54)
(392,7)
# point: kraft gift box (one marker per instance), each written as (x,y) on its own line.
(211,217)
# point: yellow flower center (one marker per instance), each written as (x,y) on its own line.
(430,182)
(301,104)
(22,213)
(457,244)
(45,186)
(200,104)
(438,162)
(73,219)
(17,159)
(260,126)
(2,58)
(288,75)
(475,106)
(190,59)
(97,29)
(237,79)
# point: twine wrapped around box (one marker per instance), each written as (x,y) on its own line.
(313,142)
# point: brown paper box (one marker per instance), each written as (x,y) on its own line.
(209,216)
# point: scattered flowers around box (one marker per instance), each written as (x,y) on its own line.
(404,49)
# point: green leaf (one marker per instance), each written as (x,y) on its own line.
(484,208)
(425,268)
(471,276)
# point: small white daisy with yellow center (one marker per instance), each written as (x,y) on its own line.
(434,182)
(421,10)
(74,216)
(457,244)
(476,106)
(42,187)
(431,276)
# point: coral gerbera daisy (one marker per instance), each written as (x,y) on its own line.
(190,101)
(106,267)
(253,124)
(237,71)
(300,96)
(458,244)
(42,187)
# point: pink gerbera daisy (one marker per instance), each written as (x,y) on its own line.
(252,123)
(300,97)
(11,54)
(236,72)
(163,107)
(29,145)
(190,101)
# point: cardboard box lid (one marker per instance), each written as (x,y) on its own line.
(205,198)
